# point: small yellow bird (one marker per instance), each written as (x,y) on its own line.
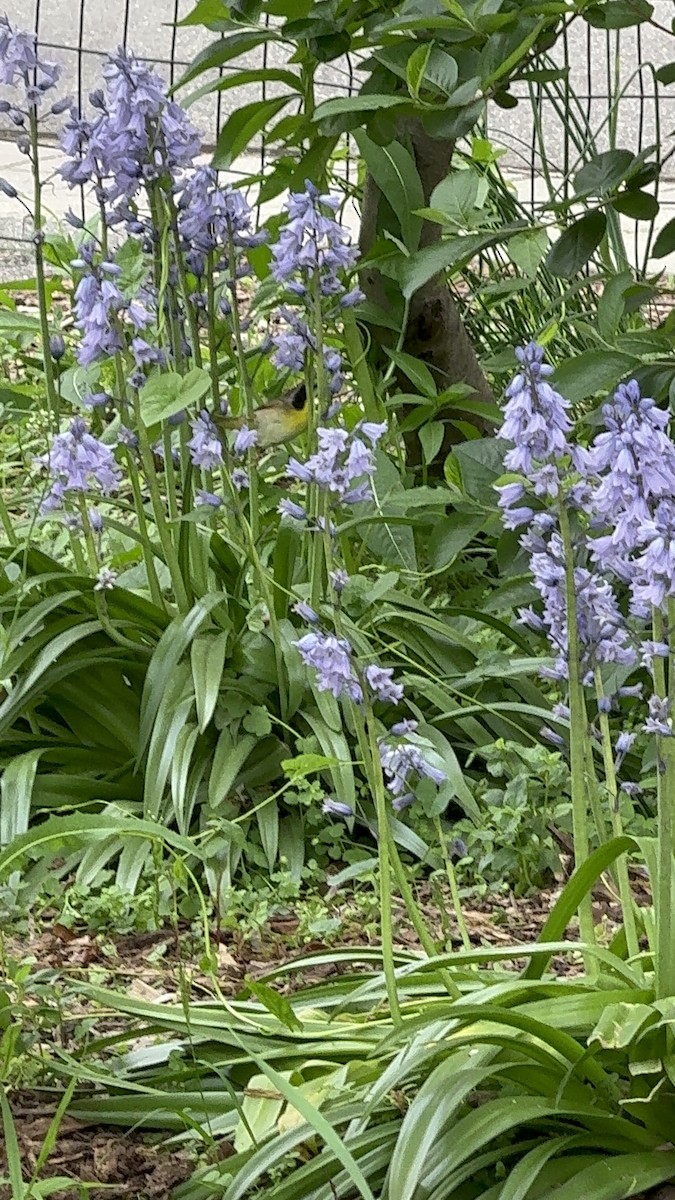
(280,421)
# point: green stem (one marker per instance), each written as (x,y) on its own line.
(578,736)
(356,353)
(452,881)
(6,520)
(245,383)
(383,846)
(183,281)
(627,906)
(211,334)
(148,556)
(163,531)
(52,397)
(665,762)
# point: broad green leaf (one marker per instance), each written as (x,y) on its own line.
(431,260)
(416,371)
(456,197)
(58,834)
(620,1025)
(242,126)
(275,1003)
(431,439)
(481,463)
(168,393)
(11,1148)
(451,535)
(16,790)
(207,656)
(572,894)
(441,70)
(17,322)
(306,764)
(205,12)
(619,1176)
(528,1169)
(228,760)
(612,304)
(430,1113)
(575,246)
(619,14)
(168,653)
(242,79)
(415,70)
(528,249)
(640,206)
(267,817)
(225,49)
(355,105)
(395,173)
(665,241)
(603,173)
(593,371)
(666,73)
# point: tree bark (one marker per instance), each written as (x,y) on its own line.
(435,332)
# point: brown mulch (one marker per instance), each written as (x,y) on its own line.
(155,966)
(124,1164)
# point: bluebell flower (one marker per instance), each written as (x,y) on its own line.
(288,508)
(652,580)
(330,657)
(535,416)
(550,735)
(209,215)
(95,519)
(205,447)
(126,437)
(306,612)
(138,135)
(20,65)
(603,634)
(403,728)
(380,680)
(399,803)
(339,463)
(649,650)
(207,499)
(336,808)
(659,721)
(313,241)
(631,467)
(246,438)
(339,580)
(105,580)
(57,347)
(621,748)
(240,479)
(78,462)
(404,762)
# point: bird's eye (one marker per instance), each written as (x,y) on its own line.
(299,398)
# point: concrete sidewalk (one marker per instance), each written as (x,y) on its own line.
(16,224)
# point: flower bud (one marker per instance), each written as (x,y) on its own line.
(57,347)
(8,189)
(60,106)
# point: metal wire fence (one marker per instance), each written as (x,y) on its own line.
(609,96)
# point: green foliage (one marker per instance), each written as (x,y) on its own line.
(513,846)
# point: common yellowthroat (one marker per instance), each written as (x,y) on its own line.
(280,421)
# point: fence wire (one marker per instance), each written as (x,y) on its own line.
(609,97)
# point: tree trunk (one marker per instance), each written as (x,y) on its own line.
(435,332)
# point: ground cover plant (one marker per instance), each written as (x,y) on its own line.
(287,605)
